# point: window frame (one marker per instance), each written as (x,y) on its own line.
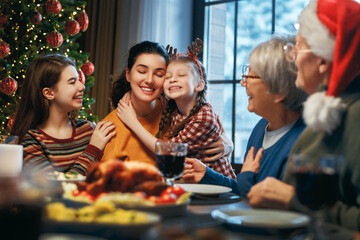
(198,31)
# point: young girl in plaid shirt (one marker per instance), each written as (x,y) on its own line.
(187,117)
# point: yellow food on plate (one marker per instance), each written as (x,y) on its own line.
(100,212)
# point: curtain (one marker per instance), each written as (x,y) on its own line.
(116,25)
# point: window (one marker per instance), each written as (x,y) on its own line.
(230,29)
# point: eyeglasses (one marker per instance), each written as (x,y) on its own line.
(290,52)
(245,75)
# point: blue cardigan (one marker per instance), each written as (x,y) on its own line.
(273,162)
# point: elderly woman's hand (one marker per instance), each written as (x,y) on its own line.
(194,170)
(252,164)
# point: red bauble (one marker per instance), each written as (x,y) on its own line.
(72,27)
(4,49)
(53,6)
(8,85)
(81,76)
(54,39)
(36,18)
(83,20)
(3,20)
(88,68)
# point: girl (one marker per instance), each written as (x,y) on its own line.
(51,140)
(187,118)
(142,83)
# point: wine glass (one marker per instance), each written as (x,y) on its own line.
(170,159)
(317,187)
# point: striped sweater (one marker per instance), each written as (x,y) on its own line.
(43,153)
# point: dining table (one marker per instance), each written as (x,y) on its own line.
(197,222)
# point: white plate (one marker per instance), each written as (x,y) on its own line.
(262,218)
(205,189)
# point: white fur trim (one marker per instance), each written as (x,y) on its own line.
(323,113)
(316,34)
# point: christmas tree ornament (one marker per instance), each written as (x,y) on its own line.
(4,49)
(3,20)
(88,68)
(72,27)
(81,76)
(83,20)
(11,121)
(54,39)
(8,85)
(36,18)
(53,6)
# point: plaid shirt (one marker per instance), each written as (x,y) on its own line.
(201,129)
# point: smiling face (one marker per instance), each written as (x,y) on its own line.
(180,82)
(68,92)
(259,98)
(308,76)
(146,77)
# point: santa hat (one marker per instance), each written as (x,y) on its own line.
(331,28)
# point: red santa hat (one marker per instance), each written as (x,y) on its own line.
(331,28)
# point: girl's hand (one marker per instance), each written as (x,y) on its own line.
(252,164)
(126,113)
(103,132)
(126,98)
(194,170)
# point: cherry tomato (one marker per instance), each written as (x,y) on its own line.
(168,197)
(154,199)
(140,194)
(75,192)
(87,195)
(177,190)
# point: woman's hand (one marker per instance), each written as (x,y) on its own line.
(103,132)
(194,170)
(271,193)
(252,164)
(126,112)
(221,147)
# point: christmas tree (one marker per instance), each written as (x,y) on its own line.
(29,28)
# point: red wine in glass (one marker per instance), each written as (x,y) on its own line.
(171,166)
(170,159)
(316,189)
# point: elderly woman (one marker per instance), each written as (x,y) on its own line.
(270,85)
(327,54)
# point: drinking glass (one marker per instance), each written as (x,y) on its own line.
(317,187)
(11,156)
(170,159)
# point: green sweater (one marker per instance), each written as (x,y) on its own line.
(345,141)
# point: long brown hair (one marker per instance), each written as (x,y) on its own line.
(33,108)
(121,85)
(165,122)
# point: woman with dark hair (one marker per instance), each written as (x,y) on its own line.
(51,140)
(188,118)
(143,79)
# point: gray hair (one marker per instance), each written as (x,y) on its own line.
(269,62)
